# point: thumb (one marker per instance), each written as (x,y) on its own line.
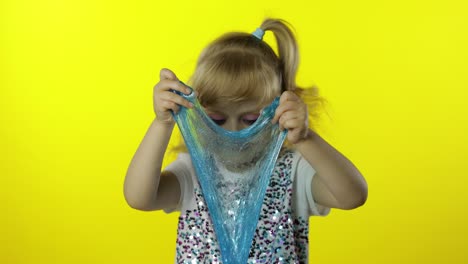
(166,74)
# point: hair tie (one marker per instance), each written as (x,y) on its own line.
(258,33)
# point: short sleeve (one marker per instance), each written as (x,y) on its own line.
(305,198)
(182,169)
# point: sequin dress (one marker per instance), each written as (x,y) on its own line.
(282,231)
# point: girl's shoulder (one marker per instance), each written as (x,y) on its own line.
(288,153)
(182,165)
(183,157)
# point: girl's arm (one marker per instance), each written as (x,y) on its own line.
(337,182)
(146,187)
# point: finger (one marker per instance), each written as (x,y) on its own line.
(166,74)
(294,136)
(168,96)
(284,107)
(289,115)
(292,123)
(166,85)
(278,112)
(170,105)
(288,96)
(281,127)
(288,106)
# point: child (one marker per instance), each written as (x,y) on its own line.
(236,76)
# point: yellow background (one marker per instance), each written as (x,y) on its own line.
(76,100)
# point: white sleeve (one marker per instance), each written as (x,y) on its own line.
(304,175)
(182,169)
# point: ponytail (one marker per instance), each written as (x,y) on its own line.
(287,51)
(288,55)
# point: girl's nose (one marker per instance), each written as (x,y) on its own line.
(233,125)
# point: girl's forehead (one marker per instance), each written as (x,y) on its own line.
(249,105)
(224,87)
(246,94)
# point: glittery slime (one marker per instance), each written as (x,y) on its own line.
(233,169)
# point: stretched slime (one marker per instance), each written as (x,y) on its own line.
(233,169)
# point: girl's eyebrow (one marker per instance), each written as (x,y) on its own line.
(251,114)
(214,111)
(255,111)
(219,110)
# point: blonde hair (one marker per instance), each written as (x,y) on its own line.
(238,66)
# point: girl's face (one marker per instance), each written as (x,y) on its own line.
(234,116)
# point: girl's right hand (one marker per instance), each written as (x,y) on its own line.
(165,100)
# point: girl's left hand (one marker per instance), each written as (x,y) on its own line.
(292,115)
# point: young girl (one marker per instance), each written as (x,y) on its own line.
(236,76)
